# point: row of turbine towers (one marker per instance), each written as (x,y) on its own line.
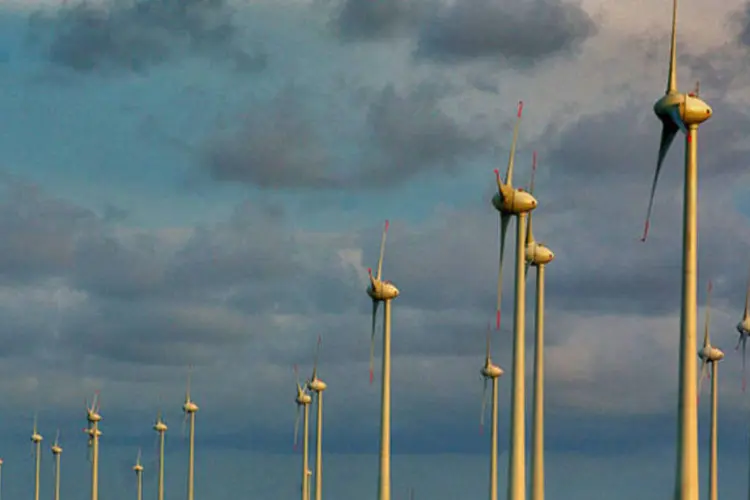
(93,418)
(677,112)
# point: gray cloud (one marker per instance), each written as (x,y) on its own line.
(365,20)
(136,36)
(521,32)
(402,134)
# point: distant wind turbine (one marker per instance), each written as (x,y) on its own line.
(93,417)
(36,443)
(57,453)
(492,372)
(743,327)
(161,428)
(190,409)
(303,400)
(138,469)
(711,355)
(679,111)
(515,202)
(1,478)
(537,255)
(317,386)
(383,291)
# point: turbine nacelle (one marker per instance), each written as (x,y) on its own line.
(36,438)
(491,371)
(138,468)
(711,354)
(160,426)
(56,450)
(743,327)
(691,109)
(317,385)
(538,254)
(381,290)
(91,432)
(513,201)
(189,407)
(302,398)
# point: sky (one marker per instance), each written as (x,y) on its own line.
(205,185)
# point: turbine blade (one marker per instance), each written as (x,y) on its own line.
(668,132)
(672,75)
(703,373)
(674,113)
(315,363)
(382,250)
(512,155)
(488,342)
(504,221)
(375,305)
(706,337)
(529,237)
(747,299)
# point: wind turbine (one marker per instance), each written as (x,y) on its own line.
(712,355)
(383,291)
(190,409)
(515,202)
(492,372)
(161,428)
(743,328)
(537,255)
(56,453)
(1,478)
(93,417)
(138,469)
(303,399)
(679,111)
(36,443)
(318,386)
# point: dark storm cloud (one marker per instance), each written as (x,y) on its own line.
(403,134)
(366,20)
(135,36)
(520,32)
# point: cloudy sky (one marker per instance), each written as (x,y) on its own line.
(204,183)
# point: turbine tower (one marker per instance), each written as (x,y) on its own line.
(56,453)
(492,372)
(537,255)
(93,417)
(685,112)
(138,469)
(383,291)
(303,401)
(36,443)
(161,428)
(1,478)
(743,328)
(515,202)
(190,409)
(318,386)
(712,355)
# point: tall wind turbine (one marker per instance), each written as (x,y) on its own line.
(318,386)
(1,478)
(190,409)
(712,355)
(492,372)
(303,400)
(161,428)
(515,202)
(93,417)
(537,255)
(57,453)
(743,328)
(138,469)
(36,443)
(685,112)
(383,291)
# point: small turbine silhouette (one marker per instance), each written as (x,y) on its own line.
(743,328)
(93,417)
(161,428)
(711,355)
(138,469)
(317,386)
(491,371)
(303,400)
(190,409)
(56,454)
(36,443)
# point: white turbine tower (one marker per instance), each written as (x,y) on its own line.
(317,386)
(515,202)
(161,428)
(93,417)
(383,291)
(679,111)
(190,409)
(711,355)
(491,371)
(57,453)
(537,255)
(303,400)
(138,469)
(36,443)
